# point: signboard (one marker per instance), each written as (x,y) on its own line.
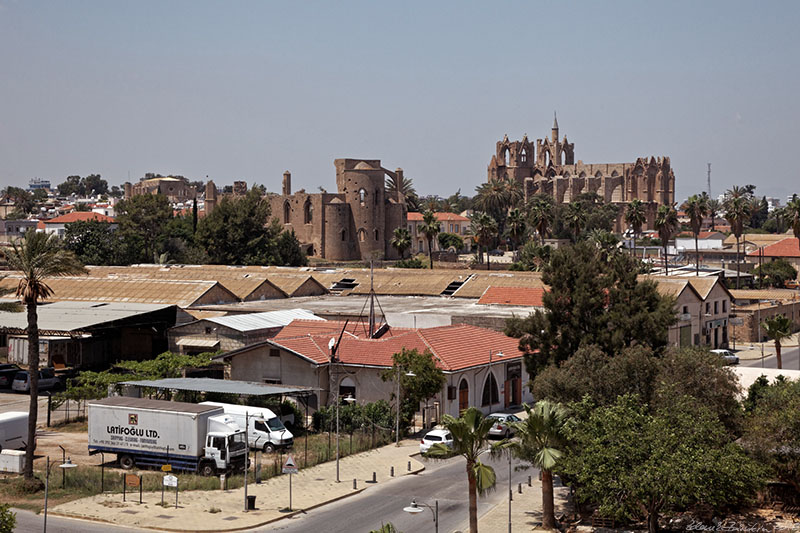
(166,468)
(289,467)
(170,480)
(736,321)
(131,480)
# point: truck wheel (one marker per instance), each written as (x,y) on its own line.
(207,469)
(269,447)
(126,462)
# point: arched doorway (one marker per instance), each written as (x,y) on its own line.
(463,395)
(490,394)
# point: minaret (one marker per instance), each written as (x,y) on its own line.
(554,130)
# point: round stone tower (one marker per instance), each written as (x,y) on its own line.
(361,183)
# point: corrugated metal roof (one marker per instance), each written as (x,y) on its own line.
(269,319)
(247,388)
(75,316)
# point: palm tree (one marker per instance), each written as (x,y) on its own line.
(401,241)
(666,225)
(404,185)
(778,328)
(575,218)
(37,257)
(540,215)
(515,227)
(541,440)
(484,228)
(430,228)
(605,241)
(793,212)
(714,207)
(696,208)
(737,213)
(470,434)
(635,217)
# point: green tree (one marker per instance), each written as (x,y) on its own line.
(541,443)
(696,209)
(430,227)
(714,208)
(94,185)
(633,464)
(37,257)
(93,242)
(470,434)
(666,224)
(484,230)
(406,186)
(532,256)
(515,227)
(592,300)
(775,273)
(778,328)
(635,217)
(793,213)
(142,223)
(737,213)
(288,251)
(447,240)
(72,185)
(540,215)
(772,430)
(428,379)
(575,217)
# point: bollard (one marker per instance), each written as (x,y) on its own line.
(374,478)
(519,488)
(529,481)
(355,485)
(391,471)
(409,466)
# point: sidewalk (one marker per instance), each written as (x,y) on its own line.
(526,510)
(223,510)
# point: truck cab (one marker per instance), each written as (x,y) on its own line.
(225,446)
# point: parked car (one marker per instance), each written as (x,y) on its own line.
(497,252)
(7,373)
(434,436)
(502,426)
(47,380)
(728,356)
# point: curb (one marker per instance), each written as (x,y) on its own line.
(243,528)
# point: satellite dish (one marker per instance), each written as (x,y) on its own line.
(331,343)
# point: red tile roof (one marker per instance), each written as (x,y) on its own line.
(785,248)
(441,217)
(530,296)
(453,347)
(79,215)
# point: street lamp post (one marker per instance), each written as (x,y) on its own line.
(416,508)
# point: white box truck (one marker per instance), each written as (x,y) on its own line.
(13,430)
(197,438)
(266,432)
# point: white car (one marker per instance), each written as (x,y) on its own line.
(434,436)
(728,356)
(47,380)
(502,426)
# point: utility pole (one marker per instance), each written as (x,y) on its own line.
(709,180)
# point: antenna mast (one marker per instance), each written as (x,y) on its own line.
(709,179)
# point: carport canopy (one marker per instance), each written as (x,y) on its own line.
(223,386)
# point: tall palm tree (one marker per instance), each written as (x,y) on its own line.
(484,228)
(540,215)
(635,217)
(404,185)
(737,213)
(696,208)
(401,241)
(430,227)
(470,434)
(666,225)
(515,227)
(714,208)
(541,441)
(492,197)
(37,257)
(778,328)
(575,218)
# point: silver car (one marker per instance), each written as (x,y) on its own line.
(47,380)
(728,356)
(502,426)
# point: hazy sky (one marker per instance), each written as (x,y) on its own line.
(246,90)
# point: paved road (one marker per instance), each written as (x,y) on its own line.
(444,480)
(28,522)
(790,358)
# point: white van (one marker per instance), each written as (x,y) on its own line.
(13,430)
(266,432)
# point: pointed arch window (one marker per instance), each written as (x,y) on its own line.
(308,212)
(362,235)
(287,211)
(362,196)
(490,393)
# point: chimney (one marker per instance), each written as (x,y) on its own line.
(287,183)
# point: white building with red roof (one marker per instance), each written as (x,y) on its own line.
(58,225)
(788,249)
(448,223)
(483,368)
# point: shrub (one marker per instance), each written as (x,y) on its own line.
(412,262)
(8,520)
